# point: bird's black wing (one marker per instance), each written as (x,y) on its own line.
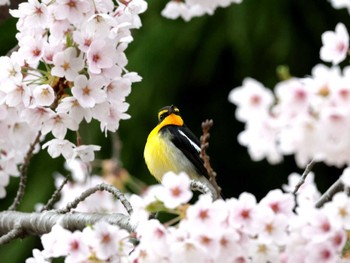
(188,143)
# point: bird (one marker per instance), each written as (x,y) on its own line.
(172,146)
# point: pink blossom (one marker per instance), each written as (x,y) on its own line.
(58,125)
(118,89)
(154,238)
(260,137)
(88,92)
(279,202)
(335,45)
(38,257)
(56,147)
(100,55)
(17,94)
(34,13)
(10,70)
(43,95)
(55,242)
(67,64)
(36,116)
(73,10)
(31,48)
(262,252)
(243,212)
(176,190)
(78,249)
(253,100)
(339,210)
(271,227)
(71,106)
(205,214)
(86,152)
(107,240)
(294,99)
(110,115)
(321,252)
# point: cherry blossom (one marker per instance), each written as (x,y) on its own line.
(338,4)
(306,111)
(335,45)
(107,240)
(193,8)
(38,257)
(177,190)
(57,147)
(72,10)
(241,230)
(252,98)
(70,52)
(243,212)
(67,64)
(88,92)
(86,152)
(43,95)
(100,55)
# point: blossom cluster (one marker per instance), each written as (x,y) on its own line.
(69,68)
(188,9)
(102,241)
(308,117)
(275,229)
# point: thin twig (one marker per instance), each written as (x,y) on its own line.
(11,235)
(204,139)
(101,187)
(23,174)
(307,170)
(54,197)
(336,187)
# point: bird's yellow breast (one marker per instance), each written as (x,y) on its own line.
(162,156)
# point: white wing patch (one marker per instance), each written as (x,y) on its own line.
(191,142)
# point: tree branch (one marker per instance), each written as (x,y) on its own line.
(336,187)
(41,223)
(204,139)
(49,205)
(101,187)
(23,174)
(11,235)
(307,170)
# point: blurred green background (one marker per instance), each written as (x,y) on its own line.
(195,65)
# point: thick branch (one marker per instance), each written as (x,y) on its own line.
(41,223)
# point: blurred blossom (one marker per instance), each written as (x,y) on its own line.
(335,45)
(338,4)
(310,117)
(189,9)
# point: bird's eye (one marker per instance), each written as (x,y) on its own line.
(162,116)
